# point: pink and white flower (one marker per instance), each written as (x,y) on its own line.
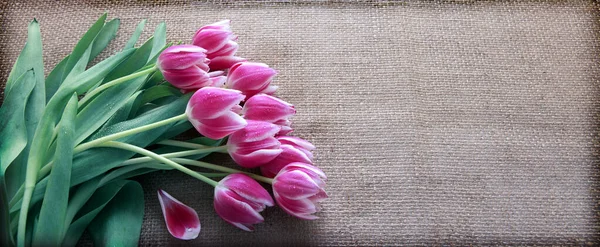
(298,188)
(255,144)
(214,112)
(294,150)
(182,221)
(239,200)
(267,108)
(185,67)
(251,78)
(219,41)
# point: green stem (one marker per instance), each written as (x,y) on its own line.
(115,136)
(142,151)
(185,144)
(176,155)
(114,82)
(220,168)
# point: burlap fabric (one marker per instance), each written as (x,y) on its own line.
(459,122)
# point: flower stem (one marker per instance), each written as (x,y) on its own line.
(189,145)
(48,167)
(115,136)
(88,96)
(142,151)
(220,168)
(176,155)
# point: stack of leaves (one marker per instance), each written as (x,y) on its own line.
(70,142)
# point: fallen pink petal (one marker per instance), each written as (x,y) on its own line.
(182,221)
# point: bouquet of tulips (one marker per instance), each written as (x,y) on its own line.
(70,141)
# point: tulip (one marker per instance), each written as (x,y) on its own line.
(267,108)
(214,112)
(239,199)
(255,144)
(220,44)
(294,150)
(251,78)
(298,188)
(182,221)
(185,66)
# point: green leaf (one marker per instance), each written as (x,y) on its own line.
(160,39)
(80,66)
(58,75)
(155,79)
(158,92)
(13,132)
(104,105)
(84,44)
(49,230)
(94,205)
(6,237)
(55,78)
(86,165)
(107,34)
(136,35)
(123,113)
(120,222)
(30,58)
(78,198)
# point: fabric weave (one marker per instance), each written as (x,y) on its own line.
(454,122)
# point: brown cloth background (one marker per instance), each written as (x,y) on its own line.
(459,122)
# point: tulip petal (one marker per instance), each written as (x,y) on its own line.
(302,209)
(181,220)
(296,185)
(232,208)
(219,127)
(290,154)
(248,76)
(212,39)
(249,189)
(267,108)
(254,131)
(311,170)
(212,102)
(225,62)
(180,57)
(256,158)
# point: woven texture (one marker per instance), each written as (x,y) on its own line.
(457,122)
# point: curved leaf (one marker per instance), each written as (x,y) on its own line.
(120,222)
(94,205)
(48,231)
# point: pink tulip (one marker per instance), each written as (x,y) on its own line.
(214,36)
(298,188)
(214,112)
(255,144)
(182,221)
(267,108)
(225,62)
(220,44)
(239,200)
(185,66)
(251,78)
(294,150)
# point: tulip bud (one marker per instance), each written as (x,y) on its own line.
(239,200)
(251,78)
(294,150)
(220,44)
(267,108)
(255,144)
(298,188)
(182,221)
(185,66)
(214,112)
